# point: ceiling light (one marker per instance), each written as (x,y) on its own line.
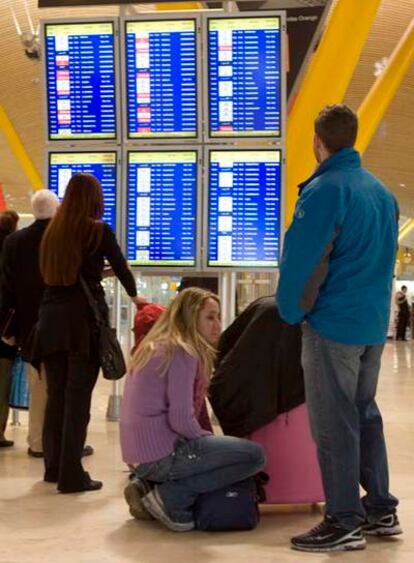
(380,66)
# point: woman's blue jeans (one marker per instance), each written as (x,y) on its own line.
(200,466)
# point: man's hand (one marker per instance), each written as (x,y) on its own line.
(9,340)
(140,302)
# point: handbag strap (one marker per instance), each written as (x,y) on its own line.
(92,302)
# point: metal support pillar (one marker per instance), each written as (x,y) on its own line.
(15,421)
(227,293)
(113,410)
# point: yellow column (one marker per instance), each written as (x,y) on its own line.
(179,6)
(376,103)
(405,230)
(19,150)
(325,82)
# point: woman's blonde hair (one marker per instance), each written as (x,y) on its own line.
(177,326)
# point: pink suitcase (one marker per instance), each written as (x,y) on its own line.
(292,463)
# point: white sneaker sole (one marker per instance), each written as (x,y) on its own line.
(155,509)
(351,546)
(382,532)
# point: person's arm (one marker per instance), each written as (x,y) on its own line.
(308,244)
(119,265)
(180,389)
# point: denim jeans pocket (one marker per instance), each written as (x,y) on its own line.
(157,471)
(186,456)
(345,352)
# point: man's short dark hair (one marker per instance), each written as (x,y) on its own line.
(403,287)
(337,127)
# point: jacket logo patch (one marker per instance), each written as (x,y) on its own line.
(299,213)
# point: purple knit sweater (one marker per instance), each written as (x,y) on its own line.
(156,410)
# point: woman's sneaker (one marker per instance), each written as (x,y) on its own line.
(329,536)
(387,525)
(153,503)
(133,495)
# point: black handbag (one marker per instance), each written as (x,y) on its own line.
(110,354)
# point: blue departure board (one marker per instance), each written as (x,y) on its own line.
(161,75)
(80,80)
(102,164)
(244,76)
(162,208)
(244,208)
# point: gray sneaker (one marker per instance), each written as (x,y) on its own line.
(136,508)
(155,506)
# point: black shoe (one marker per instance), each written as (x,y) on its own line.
(387,525)
(87,450)
(328,536)
(32,453)
(6,443)
(89,485)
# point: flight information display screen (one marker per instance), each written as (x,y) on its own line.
(244,208)
(80,80)
(244,76)
(103,165)
(161,74)
(162,208)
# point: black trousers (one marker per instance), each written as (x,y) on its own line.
(70,382)
(403,321)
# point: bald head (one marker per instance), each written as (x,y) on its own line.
(44,204)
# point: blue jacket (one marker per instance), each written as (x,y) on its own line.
(339,253)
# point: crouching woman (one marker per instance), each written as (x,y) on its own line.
(165,430)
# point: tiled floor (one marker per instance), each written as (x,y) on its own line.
(39,525)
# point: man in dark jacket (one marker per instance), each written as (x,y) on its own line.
(259,373)
(22,291)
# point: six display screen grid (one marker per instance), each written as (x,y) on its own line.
(147,49)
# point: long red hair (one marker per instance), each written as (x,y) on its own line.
(75,231)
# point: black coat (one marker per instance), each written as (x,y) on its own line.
(22,284)
(259,373)
(66,322)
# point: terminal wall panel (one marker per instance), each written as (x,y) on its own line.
(102,163)
(161,75)
(163,209)
(243,208)
(244,74)
(80,66)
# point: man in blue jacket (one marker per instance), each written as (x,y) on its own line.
(336,275)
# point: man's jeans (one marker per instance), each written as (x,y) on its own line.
(340,383)
(200,466)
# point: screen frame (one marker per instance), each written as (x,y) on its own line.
(206,215)
(93,149)
(208,137)
(156,268)
(117,82)
(154,17)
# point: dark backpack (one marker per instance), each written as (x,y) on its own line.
(234,507)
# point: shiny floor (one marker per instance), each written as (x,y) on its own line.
(39,525)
